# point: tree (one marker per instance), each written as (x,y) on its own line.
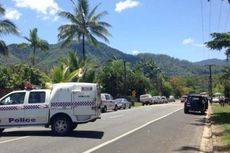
(6,27)
(73,69)
(35,43)
(220,41)
(84,24)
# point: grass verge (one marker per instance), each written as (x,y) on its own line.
(221,118)
(137,104)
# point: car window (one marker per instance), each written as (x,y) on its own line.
(37,97)
(13,99)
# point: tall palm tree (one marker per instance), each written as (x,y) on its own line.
(6,27)
(84,25)
(35,43)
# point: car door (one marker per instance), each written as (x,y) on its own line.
(37,108)
(12,109)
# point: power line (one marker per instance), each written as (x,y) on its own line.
(227,18)
(210,16)
(220,14)
(202,19)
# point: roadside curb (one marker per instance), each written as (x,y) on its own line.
(206,145)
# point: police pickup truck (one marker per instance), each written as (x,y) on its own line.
(63,107)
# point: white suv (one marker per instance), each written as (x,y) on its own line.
(146,99)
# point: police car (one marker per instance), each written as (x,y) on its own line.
(63,107)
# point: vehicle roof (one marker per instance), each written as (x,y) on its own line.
(195,95)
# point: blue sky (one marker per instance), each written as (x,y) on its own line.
(171,27)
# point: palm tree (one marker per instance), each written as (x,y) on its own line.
(73,69)
(6,27)
(35,43)
(84,25)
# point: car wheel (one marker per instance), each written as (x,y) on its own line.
(186,110)
(74,126)
(1,130)
(115,108)
(202,112)
(124,106)
(62,125)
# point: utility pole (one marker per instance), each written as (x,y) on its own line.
(210,80)
(125,79)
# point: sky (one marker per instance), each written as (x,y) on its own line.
(177,28)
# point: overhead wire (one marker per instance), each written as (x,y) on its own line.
(202,19)
(220,14)
(227,18)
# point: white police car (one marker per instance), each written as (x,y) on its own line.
(63,107)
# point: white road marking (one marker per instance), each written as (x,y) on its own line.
(117,116)
(16,139)
(129,132)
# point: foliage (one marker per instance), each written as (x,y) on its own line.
(6,27)
(84,24)
(73,69)
(111,77)
(220,41)
(35,43)
(16,76)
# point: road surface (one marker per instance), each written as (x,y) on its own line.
(148,129)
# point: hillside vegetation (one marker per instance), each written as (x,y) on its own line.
(168,65)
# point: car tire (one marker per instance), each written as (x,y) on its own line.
(104,109)
(1,130)
(124,106)
(202,112)
(74,126)
(115,108)
(186,110)
(61,125)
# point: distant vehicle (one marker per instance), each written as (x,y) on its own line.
(216,97)
(123,103)
(164,99)
(156,99)
(195,102)
(171,99)
(107,103)
(183,98)
(146,99)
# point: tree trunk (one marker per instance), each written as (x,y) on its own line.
(83,47)
(33,60)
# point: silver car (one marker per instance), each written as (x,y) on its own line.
(123,103)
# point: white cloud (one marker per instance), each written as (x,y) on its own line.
(45,8)
(187,41)
(122,5)
(135,52)
(190,41)
(12,14)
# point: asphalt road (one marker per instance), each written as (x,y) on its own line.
(149,129)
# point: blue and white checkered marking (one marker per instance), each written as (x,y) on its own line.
(73,104)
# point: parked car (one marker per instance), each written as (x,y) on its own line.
(171,99)
(183,98)
(164,99)
(108,103)
(146,99)
(195,102)
(123,103)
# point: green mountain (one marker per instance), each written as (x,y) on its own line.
(46,59)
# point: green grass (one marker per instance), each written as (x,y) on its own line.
(222,117)
(137,104)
